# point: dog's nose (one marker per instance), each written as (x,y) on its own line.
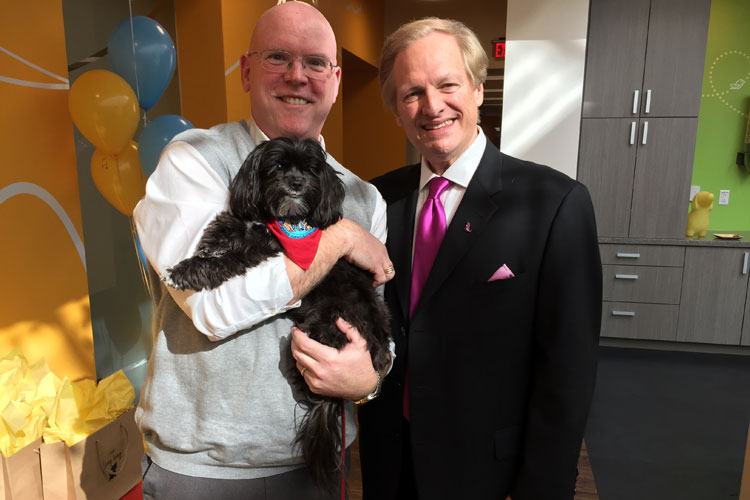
(296,183)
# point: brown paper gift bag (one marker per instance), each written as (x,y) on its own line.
(22,474)
(104,466)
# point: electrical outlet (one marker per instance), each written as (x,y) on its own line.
(724,197)
(693,191)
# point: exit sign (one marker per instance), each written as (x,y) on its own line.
(498,48)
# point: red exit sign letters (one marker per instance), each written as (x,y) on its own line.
(498,48)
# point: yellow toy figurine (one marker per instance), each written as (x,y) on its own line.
(697,222)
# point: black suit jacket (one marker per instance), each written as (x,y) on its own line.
(501,373)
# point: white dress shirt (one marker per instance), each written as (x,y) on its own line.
(459,173)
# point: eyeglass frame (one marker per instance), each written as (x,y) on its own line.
(280,68)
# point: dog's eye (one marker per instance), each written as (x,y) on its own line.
(279,166)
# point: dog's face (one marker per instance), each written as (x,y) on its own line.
(285,178)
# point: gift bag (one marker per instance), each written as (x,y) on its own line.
(21,474)
(104,466)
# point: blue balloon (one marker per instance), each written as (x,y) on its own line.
(141,46)
(155,136)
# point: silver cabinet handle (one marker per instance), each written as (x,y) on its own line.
(645,132)
(628,255)
(623,313)
(746,264)
(648,100)
(626,276)
(632,133)
(635,102)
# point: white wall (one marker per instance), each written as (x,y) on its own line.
(543,92)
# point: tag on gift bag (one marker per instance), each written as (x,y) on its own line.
(107,464)
(104,466)
(22,474)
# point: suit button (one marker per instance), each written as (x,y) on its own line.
(403,331)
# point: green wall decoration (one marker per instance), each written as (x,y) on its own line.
(724,111)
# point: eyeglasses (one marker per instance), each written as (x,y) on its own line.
(279,61)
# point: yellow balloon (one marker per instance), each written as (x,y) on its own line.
(119,177)
(105,109)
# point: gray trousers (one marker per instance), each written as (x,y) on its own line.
(161,484)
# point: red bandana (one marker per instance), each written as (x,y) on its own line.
(299,239)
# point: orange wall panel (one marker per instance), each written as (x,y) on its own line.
(44,304)
(238,19)
(373,143)
(358,25)
(200,57)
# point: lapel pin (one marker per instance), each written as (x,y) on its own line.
(467,227)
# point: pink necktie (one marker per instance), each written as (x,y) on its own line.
(430,231)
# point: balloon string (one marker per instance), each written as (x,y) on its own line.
(135,60)
(141,265)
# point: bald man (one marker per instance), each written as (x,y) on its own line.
(216,410)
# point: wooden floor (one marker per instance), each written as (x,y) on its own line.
(585,486)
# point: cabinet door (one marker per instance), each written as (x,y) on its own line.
(663,171)
(605,166)
(677,33)
(616,50)
(713,296)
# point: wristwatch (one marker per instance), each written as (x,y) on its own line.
(373,394)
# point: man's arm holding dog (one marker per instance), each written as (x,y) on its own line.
(347,240)
(170,221)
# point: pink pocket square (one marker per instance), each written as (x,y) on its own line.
(503,273)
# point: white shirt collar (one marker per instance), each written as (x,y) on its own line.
(462,170)
(258,136)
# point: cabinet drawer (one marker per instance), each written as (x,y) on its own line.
(642,255)
(658,285)
(639,321)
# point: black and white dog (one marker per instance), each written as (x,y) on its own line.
(286,186)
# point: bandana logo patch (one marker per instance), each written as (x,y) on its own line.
(295,230)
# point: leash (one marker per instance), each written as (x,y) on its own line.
(343,452)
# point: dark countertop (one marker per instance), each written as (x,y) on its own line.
(709,240)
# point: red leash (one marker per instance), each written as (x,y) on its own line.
(343,452)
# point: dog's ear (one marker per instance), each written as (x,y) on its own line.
(244,190)
(328,210)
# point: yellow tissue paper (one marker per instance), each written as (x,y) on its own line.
(28,392)
(83,408)
(35,403)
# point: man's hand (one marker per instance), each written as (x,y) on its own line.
(363,250)
(347,240)
(346,374)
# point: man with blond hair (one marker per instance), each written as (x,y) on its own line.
(216,410)
(496,307)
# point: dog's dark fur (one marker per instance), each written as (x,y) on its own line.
(283,178)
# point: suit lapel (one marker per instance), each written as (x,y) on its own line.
(468,223)
(401,235)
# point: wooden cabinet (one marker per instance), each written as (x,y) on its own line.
(645,58)
(644,71)
(663,171)
(641,291)
(638,173)
(615,55)
(714,296)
